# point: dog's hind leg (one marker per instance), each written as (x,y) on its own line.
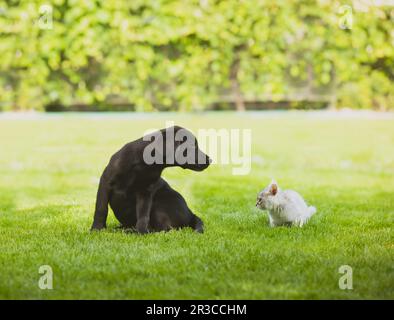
(101,211)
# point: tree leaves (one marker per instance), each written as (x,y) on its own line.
(179,55)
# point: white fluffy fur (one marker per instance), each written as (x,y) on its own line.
(284,207)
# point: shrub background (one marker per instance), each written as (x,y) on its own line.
(191,55)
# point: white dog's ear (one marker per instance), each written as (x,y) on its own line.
(273,187)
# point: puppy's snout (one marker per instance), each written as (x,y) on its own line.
(206,160)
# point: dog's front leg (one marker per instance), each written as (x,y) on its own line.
(144,204)
(101,211)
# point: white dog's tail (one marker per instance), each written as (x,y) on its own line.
(312,211)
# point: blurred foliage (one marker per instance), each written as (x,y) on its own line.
(182,55)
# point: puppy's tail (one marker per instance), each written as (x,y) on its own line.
(197,224)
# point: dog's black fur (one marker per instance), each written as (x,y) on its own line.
(139,197)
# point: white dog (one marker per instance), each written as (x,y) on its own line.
(284,207)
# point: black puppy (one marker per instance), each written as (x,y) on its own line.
(132,186)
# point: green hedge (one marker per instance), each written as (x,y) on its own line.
(182,55)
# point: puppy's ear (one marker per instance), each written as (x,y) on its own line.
(273,188)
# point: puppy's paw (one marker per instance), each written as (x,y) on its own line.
(97,227)
(142,227)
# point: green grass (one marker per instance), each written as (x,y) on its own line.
(345,167)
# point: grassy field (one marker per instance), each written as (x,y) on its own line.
(49,170)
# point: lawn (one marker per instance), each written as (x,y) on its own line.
(49,171)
